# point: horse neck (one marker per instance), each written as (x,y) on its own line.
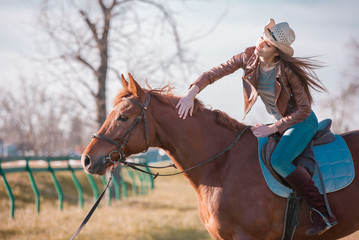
(191,141)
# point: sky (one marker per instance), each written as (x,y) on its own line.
(323,28)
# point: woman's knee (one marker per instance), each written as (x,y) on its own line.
(281,165)
(277,162)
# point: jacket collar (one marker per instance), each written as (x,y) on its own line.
(279,69)
(253,63)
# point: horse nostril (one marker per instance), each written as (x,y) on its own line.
(87,162)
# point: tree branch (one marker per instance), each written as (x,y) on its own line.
(172,23)
(86,63)
(118,75)
(102,5)
(91,26)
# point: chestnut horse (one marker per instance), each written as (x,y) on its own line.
(234,201)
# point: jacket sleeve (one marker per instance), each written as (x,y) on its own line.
(220,71)
(303,106)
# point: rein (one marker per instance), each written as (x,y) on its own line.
(135,165)
(202,163)
(122,157)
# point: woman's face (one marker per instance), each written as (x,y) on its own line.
(265,49)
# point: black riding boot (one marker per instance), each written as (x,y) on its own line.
(302,183)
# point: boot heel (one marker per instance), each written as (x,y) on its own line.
(329,226)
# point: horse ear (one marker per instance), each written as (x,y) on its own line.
(124,82)
(134,88)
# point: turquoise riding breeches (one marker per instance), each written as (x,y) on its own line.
(294,140)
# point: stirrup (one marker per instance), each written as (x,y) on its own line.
(325,219)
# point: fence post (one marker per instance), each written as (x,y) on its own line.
(77,184)
(133,181)
(141,177)
(123,186)
(60,195)
(150,178)
(139,181)
(117,189)
(93,186)
(109,192)
(33,185)
(9,192)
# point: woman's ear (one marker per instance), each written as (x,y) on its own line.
(276,54)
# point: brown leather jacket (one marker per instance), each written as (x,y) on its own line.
(292,101)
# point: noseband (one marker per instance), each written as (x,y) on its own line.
(121,144)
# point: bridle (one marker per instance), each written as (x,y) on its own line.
(122,157)
(121,144)
(123,141)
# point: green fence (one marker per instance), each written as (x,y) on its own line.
(141,183)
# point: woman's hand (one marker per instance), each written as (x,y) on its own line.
(261,130)
(186,104)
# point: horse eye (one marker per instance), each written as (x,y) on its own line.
(122,118)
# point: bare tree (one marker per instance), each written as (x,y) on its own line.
(35,119)
(95,37)
(343,104)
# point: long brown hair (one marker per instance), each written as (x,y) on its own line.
(304,68)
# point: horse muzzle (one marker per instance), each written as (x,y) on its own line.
(94,167)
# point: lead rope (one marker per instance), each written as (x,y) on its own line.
(89,214)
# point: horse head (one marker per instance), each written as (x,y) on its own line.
(123,133)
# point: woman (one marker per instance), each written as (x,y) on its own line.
(282,81)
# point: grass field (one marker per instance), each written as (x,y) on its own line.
(167,213)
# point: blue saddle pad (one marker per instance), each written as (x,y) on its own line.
(335,162)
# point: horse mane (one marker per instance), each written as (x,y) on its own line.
(226,121)
(165,95)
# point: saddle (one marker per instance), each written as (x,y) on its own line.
(306,158)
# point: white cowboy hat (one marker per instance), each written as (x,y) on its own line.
(280,35)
